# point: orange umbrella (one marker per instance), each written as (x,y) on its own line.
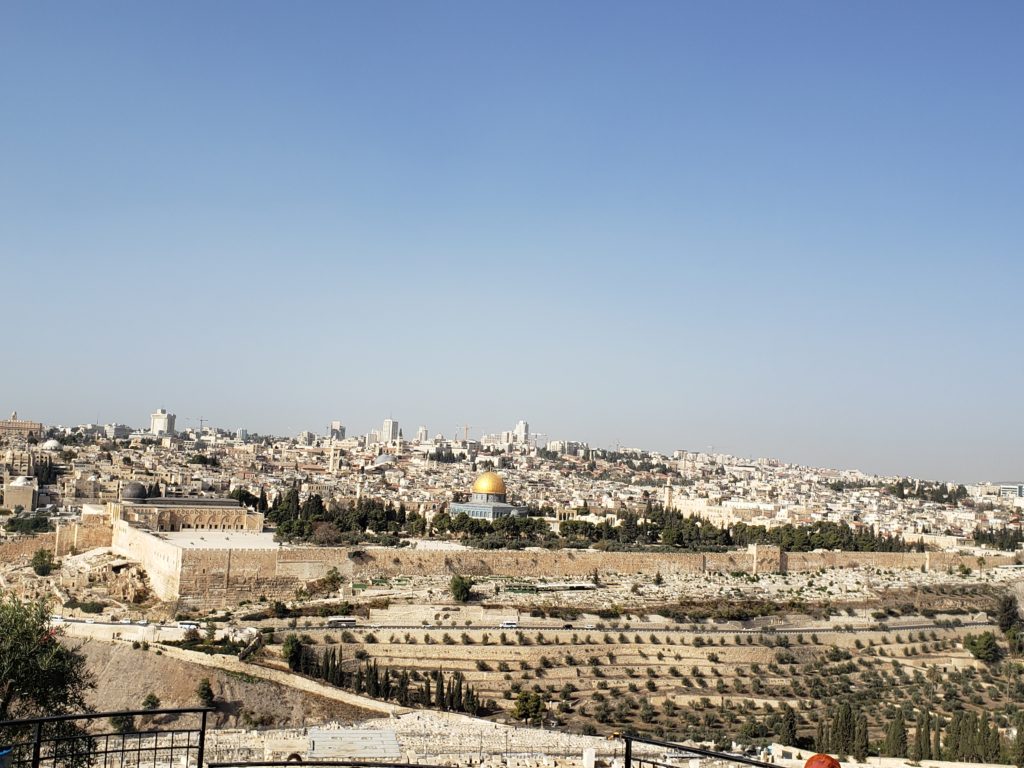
(822,761)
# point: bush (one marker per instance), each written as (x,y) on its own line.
(42,562)
(205,692)
(461,588)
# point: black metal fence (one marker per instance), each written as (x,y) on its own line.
(665,751)
(144,738)
(116,740)
(322,764)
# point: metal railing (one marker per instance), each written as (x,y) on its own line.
(631,760)
(86,741)
(322,763)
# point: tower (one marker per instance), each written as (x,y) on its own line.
(161,422)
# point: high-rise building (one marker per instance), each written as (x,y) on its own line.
(522,432)
(389,432)
(337,431)
(421,435)
(162,422)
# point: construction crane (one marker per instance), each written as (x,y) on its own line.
(200,419)
(465,432)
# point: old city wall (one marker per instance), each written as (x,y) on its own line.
(209,578)
(224,577)
(75,538)
(67,539)
(559,564)
(161,560)
(799,562)
(23,547)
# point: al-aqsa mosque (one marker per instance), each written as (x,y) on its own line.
(488,500)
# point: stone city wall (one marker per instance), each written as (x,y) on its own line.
(161,560)
(225,577)
(23,547)
(212,578)
(795,562)
(75,537)
(559,564)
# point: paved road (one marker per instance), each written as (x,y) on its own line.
(174,632)
(636,628)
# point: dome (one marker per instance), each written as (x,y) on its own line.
(21,482)
(133,491)
(51,445)
(489,482)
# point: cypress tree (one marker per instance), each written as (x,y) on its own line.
(787,726)
(842,730)
(926,740)
(1018,743)
(860,739)
(992,744)
(937,739)
(952,747)
(821,737)
(915,750)
(896,737)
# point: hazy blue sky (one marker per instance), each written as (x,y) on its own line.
(785,229)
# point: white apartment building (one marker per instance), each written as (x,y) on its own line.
(161,422)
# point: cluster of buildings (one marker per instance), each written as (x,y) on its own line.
(564,479)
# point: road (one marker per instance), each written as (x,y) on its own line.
(161,633)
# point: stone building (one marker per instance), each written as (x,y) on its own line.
(488,500)
(21,492)
(20,428)
(176,514)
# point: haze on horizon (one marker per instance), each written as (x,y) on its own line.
(788,230)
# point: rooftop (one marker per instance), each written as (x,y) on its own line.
(195,539)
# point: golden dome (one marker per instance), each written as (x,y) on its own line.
(489,482)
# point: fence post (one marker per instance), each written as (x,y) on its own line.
(37,743)
(202,740)
(629,751)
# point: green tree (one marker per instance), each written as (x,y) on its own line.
(896,736)
(42,562)
(843,730)
(461,588)
(39,676)
(925,726)
(152,701)
(860,739)
(1007,614)
(205,692)
(123,723)
(983,647)
(529,706)
(787,726)
(1018,742)
(211,631)
(292,651)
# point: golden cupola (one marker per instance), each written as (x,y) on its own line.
(489,483)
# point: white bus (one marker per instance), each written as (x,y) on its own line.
(188,625)
(341,621)
(510,625)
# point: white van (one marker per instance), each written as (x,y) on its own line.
(510,625)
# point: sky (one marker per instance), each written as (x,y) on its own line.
(788,229)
